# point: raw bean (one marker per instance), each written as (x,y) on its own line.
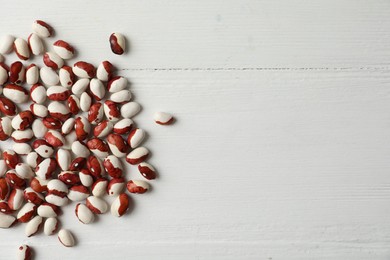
(57,192)
(120,205)
(14,180)
(4,208)
(6,44)
(32,74)
(86,178)
(5,128)
(23,120)
(113,166)
(48,76)
(116,186)
(54,138)
(47,210)
(137,186)
(69,177)
(11,158)
(15,93)
(137,156)
(80,149)
(78,193)
(32,196)
(84,69)
(52,123)
(67,77)
(117,43)
(116,84)
(58,93)
(74,104)
(98,147)
(38,93)
(63,159)
(130,109)
(97,205)
(103,129)
(39,110)
(3,168)
(27,212)
(22,136)
(95,166)
(22,148)
(147,170)
(35,43)
(16,199)
(4,189)
(85,102)
(42,148)
(6,221)
(50,227)
(33,159)
(46,168)
(68,126)
(121,96)
(123,126)
(33,226)
(39,185)
(84,214)
(82,127)
(111,111)
(66,238)
(21,49)
(80,86)
(42,29)
(69,140)
(117,145)
(3,73)
(59,111)
(97,89)
(23,170)
(24,253)
(63,49)
(7,107)
(95,114)
(104,71)
(17,73)
(77,164)
(39,128)
(52,60)
(163,118)
(99,187)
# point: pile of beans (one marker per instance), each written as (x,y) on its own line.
(71,142)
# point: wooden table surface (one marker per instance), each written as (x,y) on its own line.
(281,149)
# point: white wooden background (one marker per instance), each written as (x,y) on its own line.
(281,149)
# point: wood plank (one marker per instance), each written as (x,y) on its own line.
(259,165)
(219,34)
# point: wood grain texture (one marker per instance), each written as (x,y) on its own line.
(281,146)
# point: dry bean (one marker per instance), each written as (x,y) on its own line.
(63,49)
(35,43)
(48,76)
(117,43)
(6,44)
(66,238)
(42,29)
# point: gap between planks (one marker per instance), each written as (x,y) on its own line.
(384,68)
